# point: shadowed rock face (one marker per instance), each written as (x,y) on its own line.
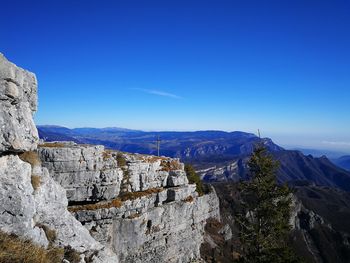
(18,102)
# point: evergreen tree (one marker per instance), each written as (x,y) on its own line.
(265,212)
(193,178)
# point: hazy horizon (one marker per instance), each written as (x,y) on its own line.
(280,66)
(285,141)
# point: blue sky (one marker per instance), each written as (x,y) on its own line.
(281,66)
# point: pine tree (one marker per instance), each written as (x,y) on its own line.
(266,207)
(193,178)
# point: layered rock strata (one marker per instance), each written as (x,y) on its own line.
(154,215)
(31,202)
(107,206)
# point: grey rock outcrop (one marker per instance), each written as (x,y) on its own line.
(91,173)
(17,205)
(140,231)
(88,173)
(31,202)
(108,206)
(157,216)
(18,101)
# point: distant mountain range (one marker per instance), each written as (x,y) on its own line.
(343,162)
(217,155)
(319,152)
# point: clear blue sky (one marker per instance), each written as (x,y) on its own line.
(282,66)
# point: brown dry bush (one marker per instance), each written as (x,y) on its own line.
(36,181)
(118,202)
(121,160)
(189,199)
(30,157)
(170,165)
(106,154)
(16,250)
(52,144)
(134,195)
(71,255)
(114,203)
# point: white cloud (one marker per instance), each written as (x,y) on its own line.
(159,93)
(336,143)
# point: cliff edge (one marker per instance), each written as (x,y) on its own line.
(106,206)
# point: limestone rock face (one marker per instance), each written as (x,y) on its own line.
(146,172)
(143,230)
(25,210)
(153,215)
(31,202)
(51,205)
(109,206)
(88,173)
(18,102)
(17,205)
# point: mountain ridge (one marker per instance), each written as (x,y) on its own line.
(217,155)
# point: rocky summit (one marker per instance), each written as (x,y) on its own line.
(106,206)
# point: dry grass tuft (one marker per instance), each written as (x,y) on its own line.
(154,159)
(30,157)
(189,199)
(106,154)
(51,234)
(52,144)
(118,202)
(134,195)
(114,203)
(71,255)
(170,165)
(36,181)
(121,160)
(16,250)
(136,215)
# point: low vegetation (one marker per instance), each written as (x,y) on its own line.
(170,165)
(71,255)
(121,160)
(189,199)
(194,178)
(16,250)
(106,154)
(101,205)
(153,159)
(134,195)
(118,202)
(51,234)
(133,216)
(36,181)
(52,144)
(31,157)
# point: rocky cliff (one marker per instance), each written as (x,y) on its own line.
(142,207)
(106,206)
